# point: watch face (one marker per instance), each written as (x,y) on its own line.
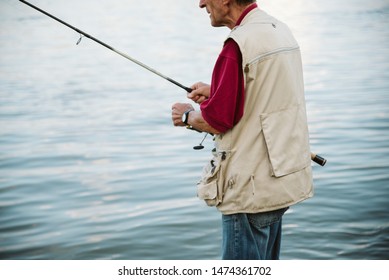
(184,117)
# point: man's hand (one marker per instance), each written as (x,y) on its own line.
(200,92)
(178,109)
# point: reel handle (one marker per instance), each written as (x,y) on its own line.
(318,159)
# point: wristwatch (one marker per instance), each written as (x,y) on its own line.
(185,116)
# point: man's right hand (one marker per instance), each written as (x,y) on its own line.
(200,92)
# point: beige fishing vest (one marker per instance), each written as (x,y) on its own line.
(263,163)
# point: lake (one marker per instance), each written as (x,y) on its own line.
(92,168)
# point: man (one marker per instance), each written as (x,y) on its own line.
(255,107)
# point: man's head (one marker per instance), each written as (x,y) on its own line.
(224,12)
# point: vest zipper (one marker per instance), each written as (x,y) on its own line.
(263,56)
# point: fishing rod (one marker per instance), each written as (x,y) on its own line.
(316,158)
(107,46)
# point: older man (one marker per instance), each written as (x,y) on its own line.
(255,107)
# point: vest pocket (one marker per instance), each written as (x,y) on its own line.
(208,187)
(208,192)
(287,140)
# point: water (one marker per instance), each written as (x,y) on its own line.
(91,167)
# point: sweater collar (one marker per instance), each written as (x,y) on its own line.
(245,12)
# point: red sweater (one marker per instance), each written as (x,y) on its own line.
(225,105)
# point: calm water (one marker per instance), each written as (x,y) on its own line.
(91,167)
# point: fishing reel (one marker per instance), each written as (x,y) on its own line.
(200,145)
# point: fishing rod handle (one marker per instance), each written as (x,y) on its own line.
(187,89)
(318,159)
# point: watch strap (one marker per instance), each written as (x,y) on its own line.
(186,116)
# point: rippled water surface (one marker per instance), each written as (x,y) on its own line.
(91,167)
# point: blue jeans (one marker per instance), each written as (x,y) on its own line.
(252,236)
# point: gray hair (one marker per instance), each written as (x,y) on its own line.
(244,2)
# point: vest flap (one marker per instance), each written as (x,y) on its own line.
(209,193)
(287,140)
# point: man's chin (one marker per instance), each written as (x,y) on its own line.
(215,24)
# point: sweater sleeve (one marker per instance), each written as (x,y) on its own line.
(224,107)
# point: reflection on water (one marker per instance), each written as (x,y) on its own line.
(91,167)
